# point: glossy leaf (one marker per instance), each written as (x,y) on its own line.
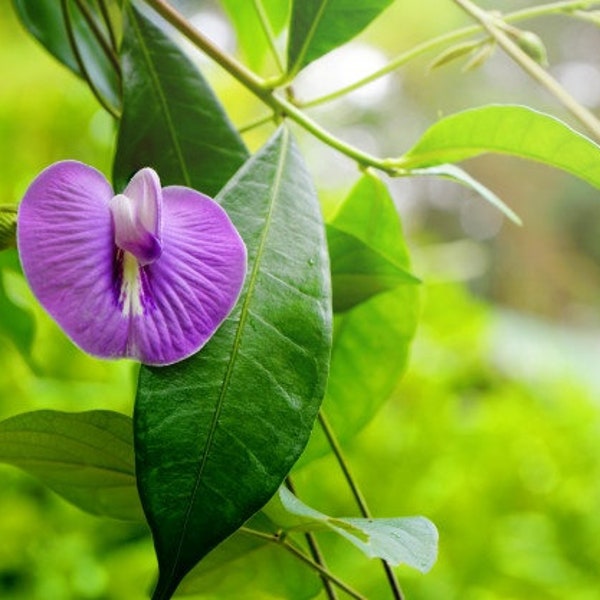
(85,457)
(16,322)
(171,119)
(372,340)
(319,26)
(251,36)
(45,20)
(217,433)
(515,130)
(409,540)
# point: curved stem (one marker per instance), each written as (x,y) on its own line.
(358,495)
(264,92)
(84,72)
(493,24)
(446,38)
(266,25)
(305,559)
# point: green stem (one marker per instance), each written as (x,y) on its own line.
(442,40)
(358,495)
(266,25)
(256,123)
(305,559)
(84,72)
(493,25)
(261,90)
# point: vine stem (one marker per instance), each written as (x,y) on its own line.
(493,25)
(358,495)
(262,90)
(281,541)
(447,38)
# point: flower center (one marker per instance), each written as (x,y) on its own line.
(137,217)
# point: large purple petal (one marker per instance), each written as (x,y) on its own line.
(65,238)
(191,289)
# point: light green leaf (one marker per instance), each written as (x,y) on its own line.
(251,36)
(171,119)
(372,340)
(319,26)
(85,457)
(216,434)
(409,540)
(515,130)
(359,272)
(454,173)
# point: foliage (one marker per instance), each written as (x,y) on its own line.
(316,347)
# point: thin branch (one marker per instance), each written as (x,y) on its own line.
(358,495)
(305,559)
(445,39)
(264,92)
(493,25)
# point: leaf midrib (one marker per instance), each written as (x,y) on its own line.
(235,349)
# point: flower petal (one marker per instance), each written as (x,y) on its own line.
(65,238)
(194,285)
(137,216)
(110,303)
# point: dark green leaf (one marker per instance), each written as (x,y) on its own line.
(85,457)
(372,340)
(45,20)
(16,323)
(171,118)
(217,433)
(251,36)
(408,540)
(318,26)
(515,130)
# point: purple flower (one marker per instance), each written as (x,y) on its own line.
(148,274)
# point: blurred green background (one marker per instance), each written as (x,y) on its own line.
(494,432)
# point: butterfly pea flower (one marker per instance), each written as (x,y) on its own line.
(148,274)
